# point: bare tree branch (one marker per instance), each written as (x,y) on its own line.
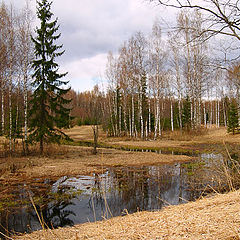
(222,16)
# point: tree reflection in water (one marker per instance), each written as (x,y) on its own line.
(113,193)
(55,214)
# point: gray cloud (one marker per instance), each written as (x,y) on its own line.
(95,27)
(91,28)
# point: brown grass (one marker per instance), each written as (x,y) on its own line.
(71,161)
(210,218)
(83,133)
(184,140)
(80,160)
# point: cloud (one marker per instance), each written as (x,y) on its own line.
(85,73)
(91,28)
(94,27)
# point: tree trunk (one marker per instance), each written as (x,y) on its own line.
(3,111)
(224,113)
(41,145)
(204,115)
(10,117)
(95,137)
(133,116)
(172,125)
(180,114)
(25,92)
(149,116)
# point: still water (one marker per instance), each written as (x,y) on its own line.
(115,192)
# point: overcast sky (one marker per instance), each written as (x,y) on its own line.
(92,28)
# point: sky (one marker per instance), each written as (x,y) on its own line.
(91,28)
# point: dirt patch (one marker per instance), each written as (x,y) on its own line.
(210,218)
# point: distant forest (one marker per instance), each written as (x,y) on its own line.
(156,82)
(164,82)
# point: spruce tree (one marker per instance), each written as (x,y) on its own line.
(186,114)
(233,117)
(48,110)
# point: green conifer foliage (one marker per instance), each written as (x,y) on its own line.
(186,115)
(49,109)
(233,118)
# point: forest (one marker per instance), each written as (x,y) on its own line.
(173,81)
(161,81)
(162,128)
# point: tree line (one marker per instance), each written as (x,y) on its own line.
(34,106)
(171,81)
(156,82)
(16,54)
(160,82)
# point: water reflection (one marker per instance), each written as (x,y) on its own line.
(112,193)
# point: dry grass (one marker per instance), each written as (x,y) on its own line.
(71,161)
(183,140)
(79,160)
(210,218)
(83,133)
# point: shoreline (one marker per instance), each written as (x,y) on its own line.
(214,217)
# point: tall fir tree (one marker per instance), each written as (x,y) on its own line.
(233,117)
(48,110)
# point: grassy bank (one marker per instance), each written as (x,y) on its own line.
(210,218)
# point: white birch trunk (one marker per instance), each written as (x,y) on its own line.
(133,116)
(120,120)
(180,113)
(146,130)
(157,120)
(217,115)
(204,115)
(141,111)
(159,123)
(224,114)
(10,113)
(3,111)
(149,116)
(172,126)
(211,114)
(115,114)
(125,115)
(199,113)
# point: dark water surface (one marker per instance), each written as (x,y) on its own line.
(115,192)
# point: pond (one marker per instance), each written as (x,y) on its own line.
(115,192)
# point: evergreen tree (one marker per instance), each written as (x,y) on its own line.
(186,114)
(48,105)
(233,117)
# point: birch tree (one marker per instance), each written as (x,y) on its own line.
(220,16)
(157,74)
(25,58)
(4,23)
